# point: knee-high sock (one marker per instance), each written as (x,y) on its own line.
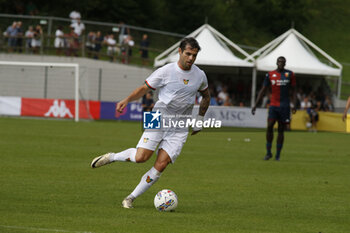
(125,156)
(278,150)
(146,182)
(268,147)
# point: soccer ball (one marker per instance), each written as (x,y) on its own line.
(165,200)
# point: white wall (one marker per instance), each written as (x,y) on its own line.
(118,80)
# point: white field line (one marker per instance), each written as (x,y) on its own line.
(42,229)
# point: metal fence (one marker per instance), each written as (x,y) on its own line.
(159,40)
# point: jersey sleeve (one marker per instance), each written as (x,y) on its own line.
(266,82)
(293,81)
(156,79)
(204,84)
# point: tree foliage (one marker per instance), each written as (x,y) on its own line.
(242,20)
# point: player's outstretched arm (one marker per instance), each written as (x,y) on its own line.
(203,107)
(260,95)
(346,109)
(135,95)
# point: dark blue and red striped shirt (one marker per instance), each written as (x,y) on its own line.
(280,83)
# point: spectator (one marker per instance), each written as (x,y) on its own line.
(36,40)
(29,36)
(328,105)
(59,40)
(123,32)
(19,42)
(112,48)
(306,105)
(127,49)
(223,97)
(90,43)
(11,34)
(74,16)
(147,102)
(73,45)
(213,97)
(79,28)
(98,44)
(144,49)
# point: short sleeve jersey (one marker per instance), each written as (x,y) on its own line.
(177,87)
(280,83)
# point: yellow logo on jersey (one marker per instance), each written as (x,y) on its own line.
(186,81)
(286,74)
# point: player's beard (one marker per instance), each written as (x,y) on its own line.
(188,65)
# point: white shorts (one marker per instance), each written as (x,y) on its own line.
(59,43)
(170,141)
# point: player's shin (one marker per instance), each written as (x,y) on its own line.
(146,182)
(124,156)
(278,151)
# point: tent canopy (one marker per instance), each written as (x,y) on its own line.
(300,59)
(215,50)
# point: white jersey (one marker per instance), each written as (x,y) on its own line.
(177,87)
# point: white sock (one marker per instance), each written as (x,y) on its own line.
(146,182)
(124,156)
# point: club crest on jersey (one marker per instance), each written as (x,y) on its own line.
(286,75)
(186,81)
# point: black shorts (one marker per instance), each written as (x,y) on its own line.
(281,114)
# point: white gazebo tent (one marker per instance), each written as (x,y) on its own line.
(300,58)
(215,50)
(216,53)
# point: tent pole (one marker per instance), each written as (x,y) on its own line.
(252,100)
(339,86)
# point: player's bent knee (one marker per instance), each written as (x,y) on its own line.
(161,165)
(142,155)
(162,161)
(140,159)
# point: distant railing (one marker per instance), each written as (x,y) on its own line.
(159,40)
(77,46)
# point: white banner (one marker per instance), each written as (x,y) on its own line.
(236,116)
(10,106)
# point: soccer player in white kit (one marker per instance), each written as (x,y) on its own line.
(178,84)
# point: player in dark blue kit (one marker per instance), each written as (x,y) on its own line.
(282,84)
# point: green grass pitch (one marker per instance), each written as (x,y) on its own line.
(223,185)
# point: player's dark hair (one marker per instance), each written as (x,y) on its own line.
(192,42)
(281,57)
